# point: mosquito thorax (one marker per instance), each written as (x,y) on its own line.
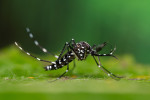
(82,50)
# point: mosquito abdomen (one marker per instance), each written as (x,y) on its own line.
(64,60)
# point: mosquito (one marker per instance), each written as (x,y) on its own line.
(78,50)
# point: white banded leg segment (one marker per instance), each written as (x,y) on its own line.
(111,54)
(30,35)
(112,51)
(44,50)
(66,71)
(108,74)
(53,62)
(30,54)
(16,43)
(18,46)
(56,56)
(38,59)
(27,29)
(37,43)
(105,70)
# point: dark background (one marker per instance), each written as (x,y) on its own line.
(124,23)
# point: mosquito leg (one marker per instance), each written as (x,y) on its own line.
(67,45)
(104,55)
(37,43)
(72,45)
(105,70)
(31,55)
(110,54)
(64,48)
(72,42)
(100,47)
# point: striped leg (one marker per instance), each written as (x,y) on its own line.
(64,48)
(37,43)
(100,47)
(72,42)
(67,45)
(110,54)
(105,70)
(32,55)
(72,45)
(74,63)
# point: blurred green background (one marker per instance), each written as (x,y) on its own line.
(124,23)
